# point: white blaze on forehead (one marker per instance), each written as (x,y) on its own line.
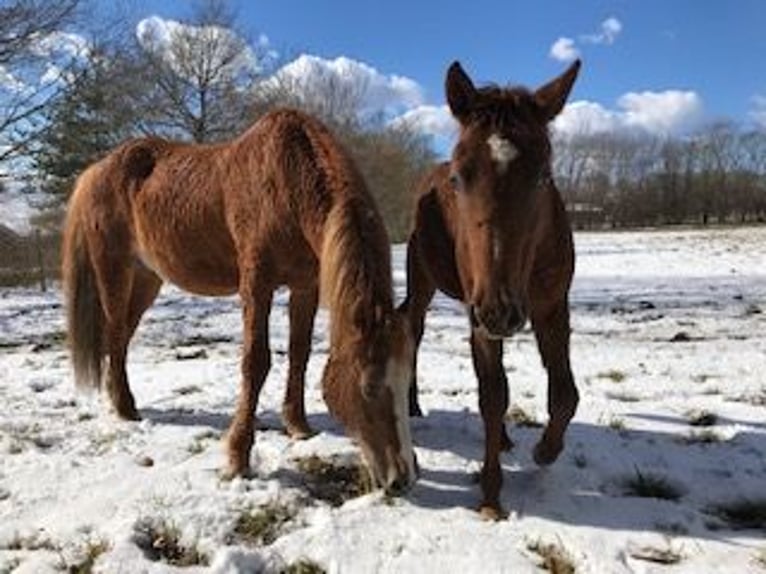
(503,152)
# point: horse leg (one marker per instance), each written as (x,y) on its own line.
(146,286)
(303,306)
(256,362)
(552,331)
(493,403)
(420,291)
(111,259)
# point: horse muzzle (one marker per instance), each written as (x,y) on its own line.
(497,321)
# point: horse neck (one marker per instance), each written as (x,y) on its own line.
(355,270)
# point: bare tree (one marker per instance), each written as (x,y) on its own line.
(197,75)
(36,54)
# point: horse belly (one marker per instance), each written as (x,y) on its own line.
(189,247)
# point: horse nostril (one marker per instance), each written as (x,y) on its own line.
(515,317)
(397,486)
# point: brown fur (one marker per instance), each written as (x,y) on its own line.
(283,204)
(496,236)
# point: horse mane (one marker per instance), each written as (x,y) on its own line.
(355,280)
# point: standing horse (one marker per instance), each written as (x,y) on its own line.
(282,204)
(491,231)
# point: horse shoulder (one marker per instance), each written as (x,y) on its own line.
(435,233)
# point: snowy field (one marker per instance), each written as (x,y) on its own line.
(664,469)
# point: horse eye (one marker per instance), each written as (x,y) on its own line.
(455,182)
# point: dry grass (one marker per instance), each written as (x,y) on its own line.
(666,556)
(261,526)
(160,540)
(553,557)
(650,485)
(86,558)
(742,514)
(701,418)
(613,375)
(303,567)
(332,482)
(521,418)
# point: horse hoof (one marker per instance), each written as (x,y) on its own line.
(544,454)
(492,513)
(128,414)
(506,444)
(299,432)
(415,411)
(235,471)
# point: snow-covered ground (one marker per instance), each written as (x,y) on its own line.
(669,330)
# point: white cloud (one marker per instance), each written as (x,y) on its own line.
(654,113)
(564,50)
(378,92)
(157,34)
(610,29)
(661,112)
(758,110)
(436,121)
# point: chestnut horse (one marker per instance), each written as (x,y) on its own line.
(491,231)
(283,204)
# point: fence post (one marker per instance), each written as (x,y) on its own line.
(40,260)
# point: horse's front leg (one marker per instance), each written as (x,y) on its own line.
(420,291)
(303,307)
(256,361)
(493,403)
(552,331)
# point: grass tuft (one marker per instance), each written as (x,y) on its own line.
(614,375)
(521,418)
(160,540)
(261,526)
(87,557)
(701,418)
(742,514)
(666,556)
(554,557)
(303,567)
(651,486)
(331,481)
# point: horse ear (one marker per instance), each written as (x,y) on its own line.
(551,97)
(460,91)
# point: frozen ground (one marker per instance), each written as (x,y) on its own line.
(669,330)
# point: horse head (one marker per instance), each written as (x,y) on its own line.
(499,169)
(365,385)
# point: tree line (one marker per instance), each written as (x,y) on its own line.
(716,175)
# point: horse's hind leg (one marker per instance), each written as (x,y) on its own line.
(552,331)
(303,306)
(111,258)
(145,287)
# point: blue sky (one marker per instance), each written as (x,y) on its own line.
(713,48)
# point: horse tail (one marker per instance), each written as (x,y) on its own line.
(85,315)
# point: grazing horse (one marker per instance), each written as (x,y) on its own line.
(491,231)
(283,204)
